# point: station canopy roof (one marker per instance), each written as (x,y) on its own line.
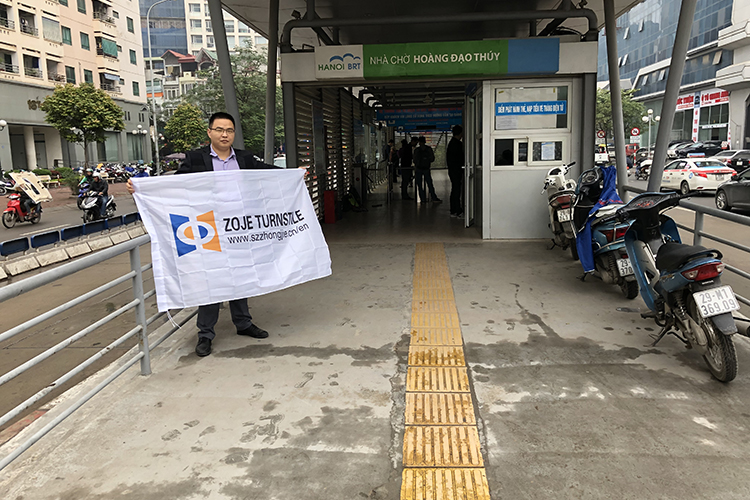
(255,13)
(491,26)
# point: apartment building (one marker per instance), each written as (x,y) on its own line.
(44,43)
(200,31)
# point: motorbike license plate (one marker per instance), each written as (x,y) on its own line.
(624,267)
(564,215)
(716,301)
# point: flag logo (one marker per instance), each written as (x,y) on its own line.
(190,234)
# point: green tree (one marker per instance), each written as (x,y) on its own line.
(249,70)
(632,111)
(186,129)
(82,114)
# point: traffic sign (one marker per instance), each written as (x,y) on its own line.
(635,139)
(635,131)
(601,134)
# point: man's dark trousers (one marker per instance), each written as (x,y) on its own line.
(208,315)
(457,180)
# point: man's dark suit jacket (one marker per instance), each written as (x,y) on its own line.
(200,160)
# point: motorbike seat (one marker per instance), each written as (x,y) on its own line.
(607,210)
(673,255)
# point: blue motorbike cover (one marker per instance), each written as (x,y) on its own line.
(609,196)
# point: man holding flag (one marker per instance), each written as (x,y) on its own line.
(220,156)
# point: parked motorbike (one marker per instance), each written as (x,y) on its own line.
(15,212)
(5,186)
(642,172)
(600,242)
(560,197)
(681,284)
(92,209)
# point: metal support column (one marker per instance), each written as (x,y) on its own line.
(615,93)
(676,67)
(588,143)
(140,310)
(290,124)
(273,47)
(225,69)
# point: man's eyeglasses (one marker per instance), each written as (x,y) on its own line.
(222,131)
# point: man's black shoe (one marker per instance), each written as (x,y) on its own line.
(253,331)
(204,347)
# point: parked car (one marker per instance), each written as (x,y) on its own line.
(734,193)
(694,174)
(280,161)
(700,149)
(676,145)
(734,158)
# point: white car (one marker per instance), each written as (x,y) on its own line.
(280,161)
(695,174)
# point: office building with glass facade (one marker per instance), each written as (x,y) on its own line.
(645,37)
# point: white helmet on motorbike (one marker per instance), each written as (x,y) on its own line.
(97,174)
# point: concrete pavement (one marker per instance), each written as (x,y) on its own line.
(569,402)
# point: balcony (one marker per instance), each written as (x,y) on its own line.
(8,68)
(110,87)
(29,29)
(100,52)
(56,77)
(7,23)
(33,72)
(104,17)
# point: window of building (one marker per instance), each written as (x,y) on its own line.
(624,60)
(63,2)
(196,39)
(640,26)
(70,74)
(229,26)
(131,28)
(242,28)
(136,89)
(259,40)
(82,6)
(644,81)
(122,81)
(246,41)
(88,76)
(115,14)
(133,59)
(196,24)
(231,42)
(717,57)
(209,41)
(209,28)
(662,73)
(119,48)
(50,27)
(194,7)
(85,44)
(67,36)
(205,9)
(626,35)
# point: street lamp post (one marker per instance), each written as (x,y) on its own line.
(153,89)
(649,119)
(138,132)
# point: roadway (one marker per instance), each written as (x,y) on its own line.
(62,212)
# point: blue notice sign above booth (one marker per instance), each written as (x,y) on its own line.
(531,108)
(421,118)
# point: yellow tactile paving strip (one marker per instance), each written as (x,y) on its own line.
(442,451)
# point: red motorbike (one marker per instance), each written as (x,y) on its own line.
(15,212)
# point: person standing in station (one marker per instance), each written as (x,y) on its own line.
(423,158)
(406,156)
(454,157)
(220,156)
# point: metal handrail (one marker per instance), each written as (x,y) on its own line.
(135,275)
(7,23)
(9,68)
(699,233)
(29,30)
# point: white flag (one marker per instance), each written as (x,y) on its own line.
(218,236)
